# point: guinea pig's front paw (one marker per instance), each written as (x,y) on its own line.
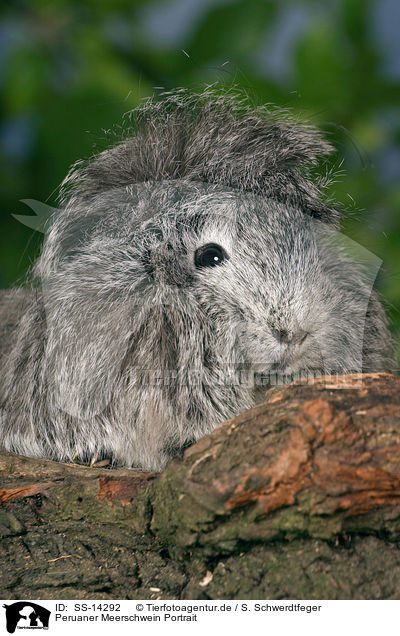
(95,460)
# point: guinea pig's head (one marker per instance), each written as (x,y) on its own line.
(272,287)
(199,276)
(261,283)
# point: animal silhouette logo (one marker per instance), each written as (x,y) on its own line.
(26,615)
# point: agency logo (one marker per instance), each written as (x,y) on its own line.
(26,615)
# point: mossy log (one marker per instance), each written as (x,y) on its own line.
(296,498)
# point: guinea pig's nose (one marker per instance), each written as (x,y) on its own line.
(289,337)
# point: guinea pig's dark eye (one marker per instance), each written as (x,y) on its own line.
(210,255)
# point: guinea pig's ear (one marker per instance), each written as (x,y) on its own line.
(87,340)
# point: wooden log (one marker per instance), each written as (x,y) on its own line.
(298,497)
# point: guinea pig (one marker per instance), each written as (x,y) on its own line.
(185,267)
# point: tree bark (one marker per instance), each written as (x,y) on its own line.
(296,498)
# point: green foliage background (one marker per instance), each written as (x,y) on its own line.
(70,69)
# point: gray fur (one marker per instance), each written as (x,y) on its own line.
(122,347)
